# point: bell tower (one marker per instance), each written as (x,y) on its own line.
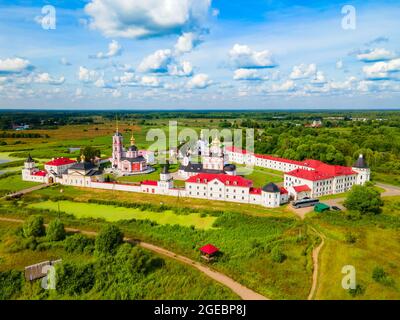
(117,147)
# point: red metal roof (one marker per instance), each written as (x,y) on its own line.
(263,156)
(60,162)
(311,175)
(255,190)
(149,183)
(224,178)
(301,188)
(209,249)
(283,190)
(40,173)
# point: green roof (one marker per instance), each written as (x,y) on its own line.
(321,207)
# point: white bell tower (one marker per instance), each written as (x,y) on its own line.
(364,172)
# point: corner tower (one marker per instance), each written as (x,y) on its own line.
(362,169)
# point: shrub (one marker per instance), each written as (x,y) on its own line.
(10,283)
(364,199)
(78,243)
(359,290)
(379,275)
(75,279)
(55,230)
(350,238)
(33,227)
(107,241)
(277,255)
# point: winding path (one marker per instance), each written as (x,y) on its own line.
(315,258)
(242,291)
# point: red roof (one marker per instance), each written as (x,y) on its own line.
(301,188)
(255,190)
(224,178)
(209,249)
(310,175)
(39,173)
(236,150)
(283,190)
(60,162)
(263,156)
(149,183)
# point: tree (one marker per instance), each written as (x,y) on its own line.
(90,153)
(56,231)
(33,227)
(107,241)
(364,199)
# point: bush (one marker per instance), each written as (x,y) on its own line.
(10,283)
(277,255)
(350,238)
(364,199)
(33,227)
(359,290)
(379,275)
(55,230)
(108,240)
(78,243)
(75,279)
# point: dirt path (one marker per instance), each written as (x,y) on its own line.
(315,258)
(242,291)
(27,190)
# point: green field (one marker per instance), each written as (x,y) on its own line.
(260,176)
(15,183)
(112,213)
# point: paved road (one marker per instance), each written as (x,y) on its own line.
(28,190)
(242,291)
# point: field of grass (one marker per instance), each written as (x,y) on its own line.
(172,281)
(113,213)
(15,183)
(260,176)
(386,178)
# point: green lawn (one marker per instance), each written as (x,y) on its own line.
(15,183)
(260,176)
(113,213)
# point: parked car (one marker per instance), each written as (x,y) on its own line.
(335,208)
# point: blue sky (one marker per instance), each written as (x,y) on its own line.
(199,54)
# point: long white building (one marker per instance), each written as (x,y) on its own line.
(308,178)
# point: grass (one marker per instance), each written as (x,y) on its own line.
(386,178)
(173,280)
(15,183)
(113,213)
(260,176)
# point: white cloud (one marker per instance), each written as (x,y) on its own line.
(157,62)
(184,69)
(303,71)
(377,54)
(150,81)
(137,19)
(45,78)
(127,79)
(339,64)
(86,75)
(287,86)
(199,81)
(382,69)
(319,78)
(100,83)
(13,65)
(78,93)
(248,74)
(116,93)
(187,42)
(243,57)
(114,49)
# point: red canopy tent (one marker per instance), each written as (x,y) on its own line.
(208,251)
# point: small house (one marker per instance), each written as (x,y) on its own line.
(208,252)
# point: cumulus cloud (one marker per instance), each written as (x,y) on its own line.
(114,49)
(138,19)
(14,65)
(86,75)
(319,78)
(150,81)
(127,79)
(157,62)
(248,74)
(199,81)
(183,69)
(303,71)
(187,42)
(287,86)
(377,54)
(242,56)
(45,78)
(382,70)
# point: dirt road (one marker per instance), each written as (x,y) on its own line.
(27,190)
(242,291)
